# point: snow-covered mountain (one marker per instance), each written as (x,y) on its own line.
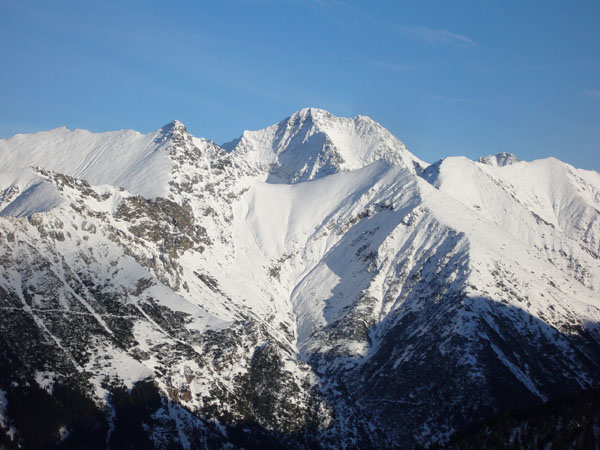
(312,283)
(313,143)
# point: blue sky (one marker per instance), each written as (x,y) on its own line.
(447,78)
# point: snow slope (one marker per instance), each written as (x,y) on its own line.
(547,205)
(313,143)
(312,279)
(124,158)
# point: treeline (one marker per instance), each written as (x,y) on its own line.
(565,423)
(68,418)
(64,419)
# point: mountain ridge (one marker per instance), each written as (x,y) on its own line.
(333,303)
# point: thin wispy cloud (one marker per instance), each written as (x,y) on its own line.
(592,93)
(437,36)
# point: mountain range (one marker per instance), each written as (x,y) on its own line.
(309,285)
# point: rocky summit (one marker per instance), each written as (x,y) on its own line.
(309,285)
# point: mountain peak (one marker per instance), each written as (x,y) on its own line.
(173,131)
(311,111)
(323,117)
(312,114)
(499,159)
(312,143)
(175,126)
(220,291)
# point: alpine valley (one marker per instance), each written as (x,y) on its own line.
(309,285)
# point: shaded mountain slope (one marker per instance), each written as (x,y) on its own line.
(312,283)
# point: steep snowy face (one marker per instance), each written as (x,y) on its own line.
(313,143)
(26,193)
(314,283)
(124,158)
(547,205)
